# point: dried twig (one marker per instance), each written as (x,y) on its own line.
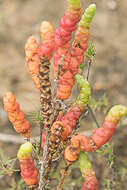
(41,129)
(44,164)
(64,172)
(93,116)
(88,72)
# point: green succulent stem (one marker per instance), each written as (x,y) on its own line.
(117,111)
(84,163)
(88,16)
(24,150)
(74,3)
(85,91)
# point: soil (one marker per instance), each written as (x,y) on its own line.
(21,18)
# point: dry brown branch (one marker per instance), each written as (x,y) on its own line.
(44,165)
(64,173)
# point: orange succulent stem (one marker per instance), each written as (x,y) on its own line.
(28,171)
(100,136)
(33,60)
(16,116)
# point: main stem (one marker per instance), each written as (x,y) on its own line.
(44,165)
(46,109)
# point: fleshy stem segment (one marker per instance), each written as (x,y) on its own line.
(63,127)
(80,44)
(33,60)
(46,108)
(16,116)
(28,170)
(45,52)
(90,180)
(72,61)
(63,33)
(100,136)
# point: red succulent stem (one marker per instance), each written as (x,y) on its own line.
(63,35)
(100,136)
(28,171)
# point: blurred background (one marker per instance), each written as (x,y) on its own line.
(21,18)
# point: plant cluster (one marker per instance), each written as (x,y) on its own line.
(58,121)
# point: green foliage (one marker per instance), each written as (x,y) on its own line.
(106,184)
(37,146)
(117,172)
(123,172)
(47,186)
(90,52)
(35,116)
(97,105)
(82,67)
(6,164)
(107,151)
(20,185)
(120,125)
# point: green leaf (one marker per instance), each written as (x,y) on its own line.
(90,52)
(36,116)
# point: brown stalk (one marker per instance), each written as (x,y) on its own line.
(45,92)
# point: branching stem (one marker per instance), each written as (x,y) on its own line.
(63,174)
(44,164)
(93,116)
(41,129)
(89,66)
